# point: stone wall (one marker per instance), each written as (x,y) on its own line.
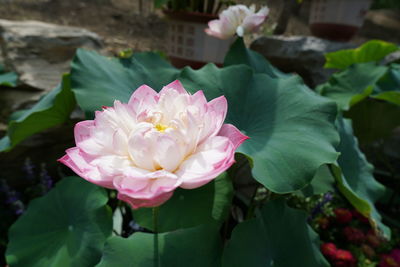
(40,53)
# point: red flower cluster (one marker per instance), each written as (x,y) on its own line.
(323,223)
(329,250)
(373,239)
(343,216)
(391,260)
(352,229)
(359,217)
(344,258)
(368,251)
(338,257)
(353,235)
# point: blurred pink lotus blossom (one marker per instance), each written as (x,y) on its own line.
(237,19)
(155,143)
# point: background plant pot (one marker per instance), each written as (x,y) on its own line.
(337,20)
(189,45)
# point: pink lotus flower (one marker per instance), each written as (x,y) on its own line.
(237,19)
(155,143)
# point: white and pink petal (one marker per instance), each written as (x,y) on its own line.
(137,203)
(151,184)
(80,163)
(234,135)
(143,98)
(212,158)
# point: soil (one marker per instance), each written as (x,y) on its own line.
(121,23)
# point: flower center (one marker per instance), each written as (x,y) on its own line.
(161,127)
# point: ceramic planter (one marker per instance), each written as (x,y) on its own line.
(189,45)
(337,20)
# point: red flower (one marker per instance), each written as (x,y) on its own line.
(388,261)
(396,255)
(373,239)
(368,251)
(359,216)
(323,223)
(343,216)
(329,250)
(338,257)
(344,258)
(353,235)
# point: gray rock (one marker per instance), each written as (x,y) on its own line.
(1,57)
(391,58)
(382,24)
(12,99)
(41,52)
(300,54)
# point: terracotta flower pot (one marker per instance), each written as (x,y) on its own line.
(189,45)
(337,20)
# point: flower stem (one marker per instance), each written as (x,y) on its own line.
(155,228)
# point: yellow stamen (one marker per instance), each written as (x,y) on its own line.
(161,127)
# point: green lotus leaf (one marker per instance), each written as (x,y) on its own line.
(188,208)
(388,87)
(355,179)
(352,85)
(279,236)
(8,79)
(323,182)
(374,50)
(52,110)
(240,54)
(198,246)
(98,81)
(291,129)
(373,119)
(275,114)
(67,227)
